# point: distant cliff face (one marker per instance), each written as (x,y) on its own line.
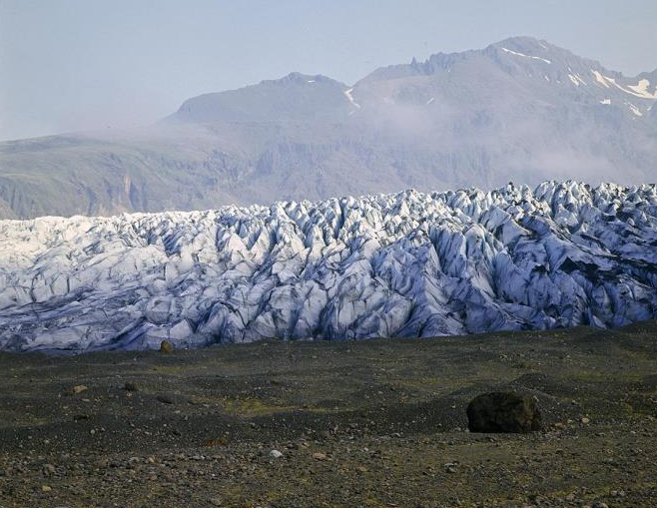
(519,110)
(399,265)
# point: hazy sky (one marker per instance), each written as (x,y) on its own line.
(69,65)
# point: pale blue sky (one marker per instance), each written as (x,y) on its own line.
(69,65)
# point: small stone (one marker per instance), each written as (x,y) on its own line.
(100,463)
(599,504)
(451,467)
(570,498)
(165,399)
(46,488)
(319,456)
(275,454)
(215,502)
(130,386)
(362,469)
(166,347)
(79,389)
(48,469)
(585,420)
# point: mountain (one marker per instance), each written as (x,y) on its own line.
(520,110)
(400,265)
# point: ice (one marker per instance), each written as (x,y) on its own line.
(399,265)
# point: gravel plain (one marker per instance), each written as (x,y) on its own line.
(378,423)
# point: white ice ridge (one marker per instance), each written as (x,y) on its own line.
(400,265)
(526,56)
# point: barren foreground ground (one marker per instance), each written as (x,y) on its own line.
(377,423)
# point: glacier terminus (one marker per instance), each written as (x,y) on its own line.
(409,264)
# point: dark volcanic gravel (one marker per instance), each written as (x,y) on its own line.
(379,423)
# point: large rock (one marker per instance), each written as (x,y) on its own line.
(503,412)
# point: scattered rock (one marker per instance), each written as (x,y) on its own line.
(165,399)
(100,463)
(48,469)
(275,454)
(585,420)
(599,504)
(46,488)
(79,389)
(451,467)
(319,456)
(503,412)
(166,347)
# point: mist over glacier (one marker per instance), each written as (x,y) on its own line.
(406,265)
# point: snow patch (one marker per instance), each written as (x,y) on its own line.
(526,56)
(350,97)
(605,101)
(600,78)
(634,109)
(641,89)
(576,79)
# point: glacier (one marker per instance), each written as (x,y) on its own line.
(409,264)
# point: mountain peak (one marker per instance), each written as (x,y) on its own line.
(526,42)
(303,79)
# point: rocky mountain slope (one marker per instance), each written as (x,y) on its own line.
(400,265)
(521,110)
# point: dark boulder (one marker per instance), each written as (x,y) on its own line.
(166,347)
(503,412)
